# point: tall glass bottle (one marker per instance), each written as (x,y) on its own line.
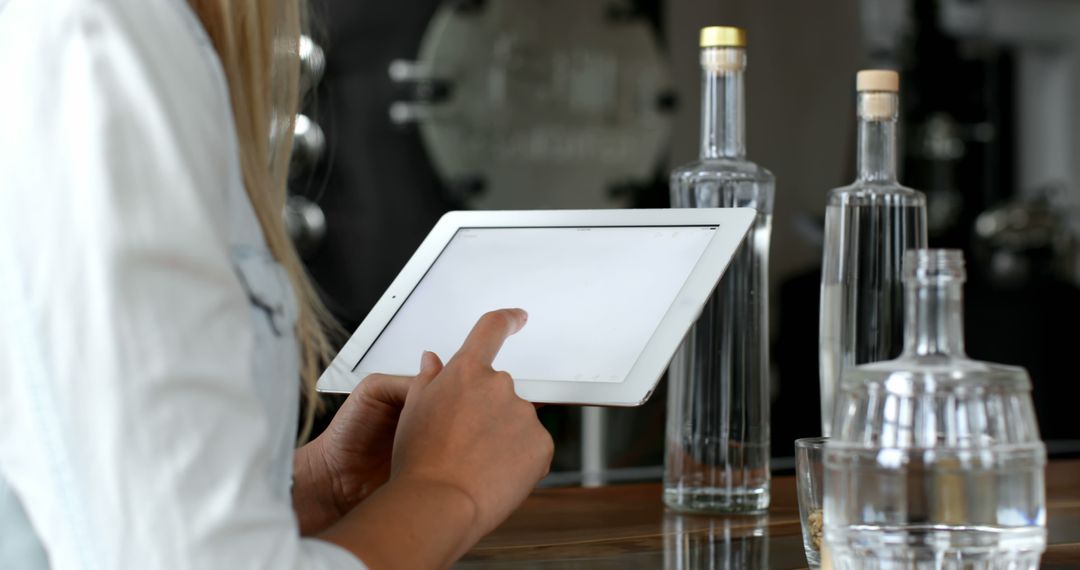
(868,227)
(935,460)
(717,449)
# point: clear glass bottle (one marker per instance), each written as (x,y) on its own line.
(717,447)
(935,460)
(868,227)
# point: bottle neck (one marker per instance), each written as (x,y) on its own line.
(935,319)
(877,137)
(723,125)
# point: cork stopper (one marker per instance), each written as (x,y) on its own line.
(723,59)
(878,94)
(877,80)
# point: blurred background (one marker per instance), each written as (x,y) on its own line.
(416,108)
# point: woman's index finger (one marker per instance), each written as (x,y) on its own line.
(490,332)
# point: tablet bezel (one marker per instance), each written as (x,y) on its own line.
(732,225)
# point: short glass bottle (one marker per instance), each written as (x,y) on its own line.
(868,227)
(717,448)
(935,459)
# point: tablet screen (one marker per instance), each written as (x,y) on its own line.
(594,297)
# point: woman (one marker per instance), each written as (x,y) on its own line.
(151,340)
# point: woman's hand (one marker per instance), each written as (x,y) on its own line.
(468,450)
(351,459)
(466,427)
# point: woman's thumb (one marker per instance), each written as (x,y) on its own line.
(430,367)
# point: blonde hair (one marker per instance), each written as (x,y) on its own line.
(258,44)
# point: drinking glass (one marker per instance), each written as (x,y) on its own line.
(809,475)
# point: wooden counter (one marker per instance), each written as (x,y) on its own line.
(627,527)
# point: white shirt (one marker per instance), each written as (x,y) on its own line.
(148,366)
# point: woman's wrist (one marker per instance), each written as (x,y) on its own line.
(313,492)
(409,523)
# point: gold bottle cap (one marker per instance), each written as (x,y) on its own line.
(877,80)
(723,36)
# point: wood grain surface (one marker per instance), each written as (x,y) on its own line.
(627,527)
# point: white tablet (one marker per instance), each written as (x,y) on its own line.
(610,296)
